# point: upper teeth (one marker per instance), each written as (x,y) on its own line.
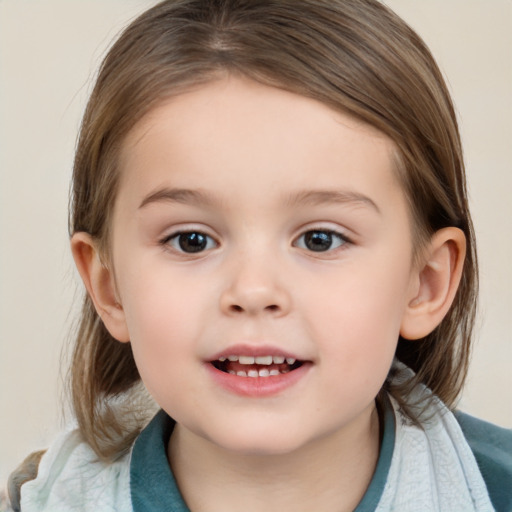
(266,360)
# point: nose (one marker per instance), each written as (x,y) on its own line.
(255,288)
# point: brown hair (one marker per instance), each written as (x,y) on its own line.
(355,56)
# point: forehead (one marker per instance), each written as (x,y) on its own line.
(235,134)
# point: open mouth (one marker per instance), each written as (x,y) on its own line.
(260,366)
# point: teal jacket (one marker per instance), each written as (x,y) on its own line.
(71,478)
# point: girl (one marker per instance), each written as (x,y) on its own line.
(270,218)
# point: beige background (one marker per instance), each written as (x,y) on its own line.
(49,51)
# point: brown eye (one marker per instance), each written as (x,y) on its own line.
(191,242)
(320,241)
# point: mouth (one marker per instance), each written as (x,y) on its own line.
(257,366)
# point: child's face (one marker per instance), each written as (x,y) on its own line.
(254,222)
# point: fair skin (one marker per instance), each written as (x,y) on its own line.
(252,222)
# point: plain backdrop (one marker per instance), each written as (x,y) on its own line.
(49,53)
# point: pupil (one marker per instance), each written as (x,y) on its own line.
(192,242)
(318,240)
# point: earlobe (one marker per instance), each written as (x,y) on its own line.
(437,281)
(100,284)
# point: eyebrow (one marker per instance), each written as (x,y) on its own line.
(319,197)
(303,198)
(177,195)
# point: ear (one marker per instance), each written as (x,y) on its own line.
(100,284)
(436,283)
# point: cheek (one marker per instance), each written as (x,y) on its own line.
(160,299)
(357,317)
(164,319)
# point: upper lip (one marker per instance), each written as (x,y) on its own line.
(255,351)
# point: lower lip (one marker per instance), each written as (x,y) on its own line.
(258,386)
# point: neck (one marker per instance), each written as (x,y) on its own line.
(328,474)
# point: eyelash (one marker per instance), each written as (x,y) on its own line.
(175,238)
(201,242)
(325,235)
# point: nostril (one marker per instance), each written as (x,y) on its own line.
(239,309)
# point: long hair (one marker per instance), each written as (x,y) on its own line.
(357,57)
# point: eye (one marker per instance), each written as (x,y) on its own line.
(320,240)
(190,242)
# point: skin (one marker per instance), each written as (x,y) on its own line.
(254,154)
